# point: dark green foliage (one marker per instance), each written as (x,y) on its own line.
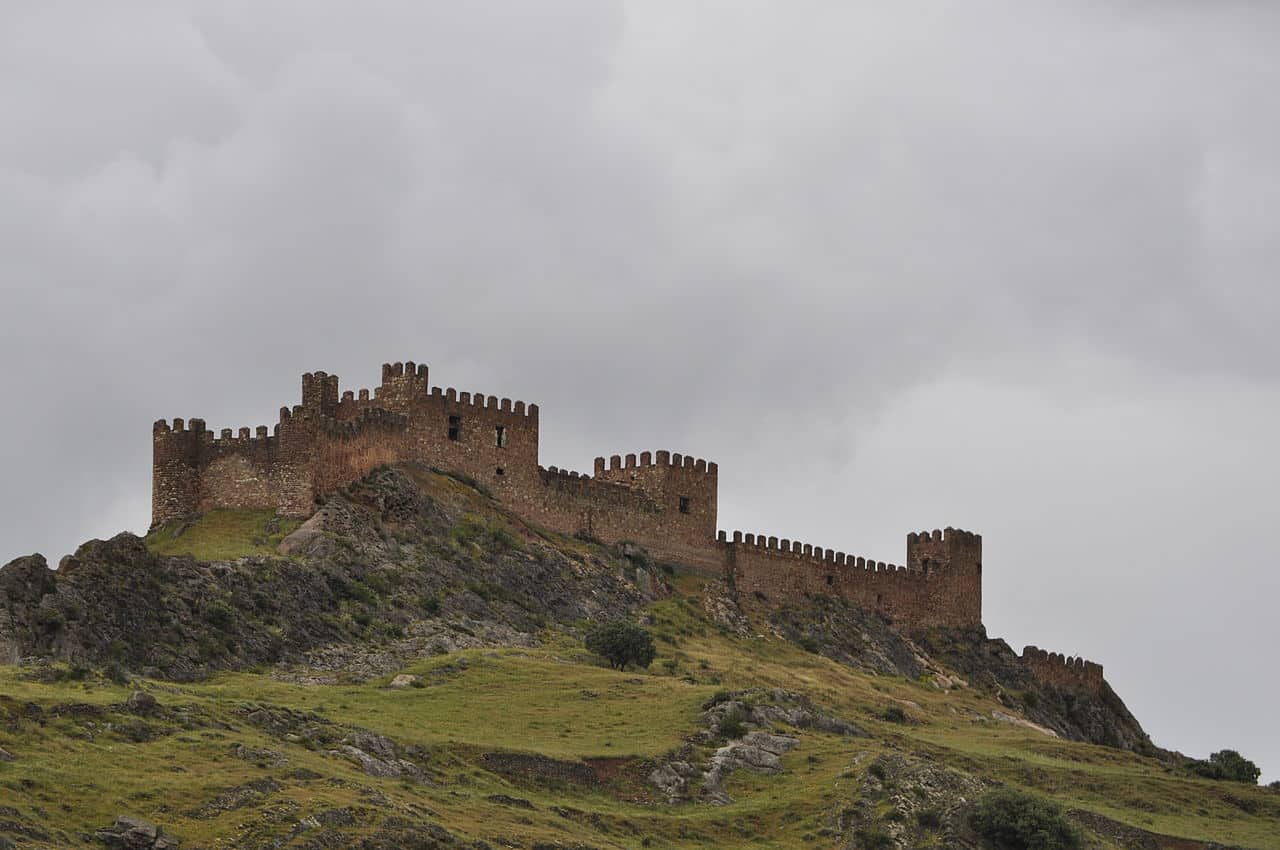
(49,619)
(894,714)
(362,592)
(1228,765)
(733,725)
(621,643)
(219,613)
(871,838)
(478,534)
(1016,820)
(929,818)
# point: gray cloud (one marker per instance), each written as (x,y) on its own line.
(891,268)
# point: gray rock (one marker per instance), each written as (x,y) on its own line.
(129,833)
(672,779)
(760,752)
(388,768)
(140,702)
(404,680)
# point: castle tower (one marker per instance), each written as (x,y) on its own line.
(957,555)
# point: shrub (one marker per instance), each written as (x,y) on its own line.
(734,724)
(621,643)
(1015,820)
(477,533)
(895,714)
(871,838)
(218,613)
(1228,765)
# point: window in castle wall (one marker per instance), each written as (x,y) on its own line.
(684,504)
(830,580)
(500,436)
(455,427)
(499,472)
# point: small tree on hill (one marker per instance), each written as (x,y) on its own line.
(1229,765)
(621,643)
(1015,820)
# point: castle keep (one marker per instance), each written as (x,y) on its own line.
(664,501)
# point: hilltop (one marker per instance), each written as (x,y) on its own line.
(405,668)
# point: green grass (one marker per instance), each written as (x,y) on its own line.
(555,700)
(223,535)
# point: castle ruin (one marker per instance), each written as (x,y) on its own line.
(663,501)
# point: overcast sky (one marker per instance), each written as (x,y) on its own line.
(1007,267)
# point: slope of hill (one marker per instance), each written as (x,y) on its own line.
(411,674)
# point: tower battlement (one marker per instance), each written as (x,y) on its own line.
(663,500)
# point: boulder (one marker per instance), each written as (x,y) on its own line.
(134,834)
(140,702)
(404,680)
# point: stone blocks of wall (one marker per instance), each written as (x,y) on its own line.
(1064,672)
(949,593)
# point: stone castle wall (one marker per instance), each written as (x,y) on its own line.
(945,592)
(666,502)
(1063,672)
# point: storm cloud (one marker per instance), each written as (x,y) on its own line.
(1005,267)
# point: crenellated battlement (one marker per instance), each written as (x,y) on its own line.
(484,402)
(666,501)
(620,464)
(810,552)
(1063,671)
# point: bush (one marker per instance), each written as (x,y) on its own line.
(1015,820)
(621,643)
(1228,765)
(871,838)
(733,725)
(218,613)
(895,714)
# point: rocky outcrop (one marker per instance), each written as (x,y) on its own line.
(759,752)
(751,728)
(387,571)
(900,801)
(1078,714)
(133,834)
(843,632)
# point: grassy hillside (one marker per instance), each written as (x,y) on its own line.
(81,759)
(542,746)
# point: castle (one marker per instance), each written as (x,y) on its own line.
(663,501)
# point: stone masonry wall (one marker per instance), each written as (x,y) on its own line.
(1056,669)
(947,594)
